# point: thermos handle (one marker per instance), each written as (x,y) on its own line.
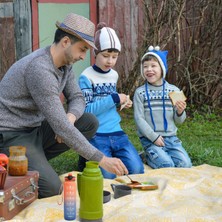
(113,186)
(79,182)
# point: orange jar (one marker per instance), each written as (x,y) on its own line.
(18,162)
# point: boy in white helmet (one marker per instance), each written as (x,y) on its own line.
(155,116)
(98,84)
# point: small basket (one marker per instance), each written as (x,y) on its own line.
(3,175)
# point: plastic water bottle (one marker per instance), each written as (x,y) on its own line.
(70,198)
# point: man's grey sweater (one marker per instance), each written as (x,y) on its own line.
(30,92)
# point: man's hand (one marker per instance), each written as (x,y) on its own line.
(58,139)
(113,165)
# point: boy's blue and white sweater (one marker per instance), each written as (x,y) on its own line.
(99,90)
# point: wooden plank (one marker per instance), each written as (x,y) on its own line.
(126,18)
(93,17)
(4,1)
(63,1)
(6,8)
(7,52)
(141,25)
(23,30)
(7,44)
(35,27)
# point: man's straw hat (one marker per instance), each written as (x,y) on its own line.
(78,26)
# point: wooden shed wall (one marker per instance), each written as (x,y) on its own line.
(126,18)
(15,29)
(23,27)
(17,32)
(7,52)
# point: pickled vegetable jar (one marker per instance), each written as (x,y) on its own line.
(18,162)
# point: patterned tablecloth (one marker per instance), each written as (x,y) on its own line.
(193,195)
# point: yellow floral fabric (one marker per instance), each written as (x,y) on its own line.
(193,195)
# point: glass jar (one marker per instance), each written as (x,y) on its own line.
(18,162)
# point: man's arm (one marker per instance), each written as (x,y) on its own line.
(74,98)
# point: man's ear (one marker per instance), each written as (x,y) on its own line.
(66,41)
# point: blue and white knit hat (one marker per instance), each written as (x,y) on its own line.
(106,38)
(161,57)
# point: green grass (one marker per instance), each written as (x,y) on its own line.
(201,136)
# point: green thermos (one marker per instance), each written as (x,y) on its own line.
(90,188)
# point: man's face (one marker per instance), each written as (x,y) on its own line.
(75,52)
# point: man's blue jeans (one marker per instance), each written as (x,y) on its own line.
(122,148)
(171,155)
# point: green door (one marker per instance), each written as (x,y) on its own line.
(47,12)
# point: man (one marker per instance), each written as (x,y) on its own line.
(32,115)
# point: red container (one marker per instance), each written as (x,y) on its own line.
(3,175)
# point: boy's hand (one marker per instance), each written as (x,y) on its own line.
(127,104)
(180,106)
(159,141)
(123,98)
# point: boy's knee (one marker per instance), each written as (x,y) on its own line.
(166,165)
(185,164)
(137,169)
(107,175)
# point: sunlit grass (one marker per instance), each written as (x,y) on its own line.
(201,136)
